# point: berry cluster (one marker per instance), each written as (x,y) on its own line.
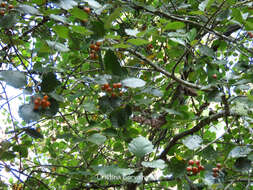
(114,90)
(5,7)
(216,170)
(149,47)
(94,49)
(194,169)
(44,103)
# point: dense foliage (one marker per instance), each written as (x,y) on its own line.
(134,94)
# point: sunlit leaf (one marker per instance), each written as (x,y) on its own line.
(133,82)
(239,151)
(192,142)
(15,79)
(97,139)
(57,46)
(155,164)
(140,146)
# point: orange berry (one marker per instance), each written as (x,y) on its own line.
(92,46)
(38,130)
(48,104)
(106,85)
(45,97)
(109,89)
(92,55)
(98,43)
(3,4)
(37,102)
(114,85)
(119,85)
(96,48)
(36,107)
(87,10)
(44,103)
(2,12)
(10,6)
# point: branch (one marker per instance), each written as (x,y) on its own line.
(181,135)
(166,73)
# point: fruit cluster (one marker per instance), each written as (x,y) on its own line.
(194,169)
(114,90)
(94,49)
(5,7)
(44,103)
(216,170)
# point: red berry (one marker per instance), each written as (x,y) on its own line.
(215,169)
(214,76)
(114,85)
(92,46)
(10,6)
(96,48)
(201,168)
(113,95)
(87,10)
(250,34)
(189,169)
(98,43)
(218,165)
(44,103)
(2,12)
(3,4)
(36,107)
(195,170)
(119,85)
(191,162)
(109,89)
(197,162)
(106,85)
(215,174)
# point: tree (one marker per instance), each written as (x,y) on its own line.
(117,91)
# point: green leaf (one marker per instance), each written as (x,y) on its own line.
(140,146)
(121,45)
(205,50)
(59,18)
(205,4)
(177,167)
(192,142)
(192,34)
(98,29)
(97,139)
(90,107)
(248,25)
(112,65)
(119,117)
(15,79)
(66,4)
(57,97)
(49,82)
(112,17)
(154,164)
(242,164)
(7,155)
(8,20)
(108,104)
(57,46)
(174,26)
(79,13)
(61,31)
(239,151)
(33,133)
(133,82)
(138,41)
(81,30)
(27,9)
(237,15)
(114,172)
(27,113)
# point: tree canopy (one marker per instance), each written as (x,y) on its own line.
(126,94)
